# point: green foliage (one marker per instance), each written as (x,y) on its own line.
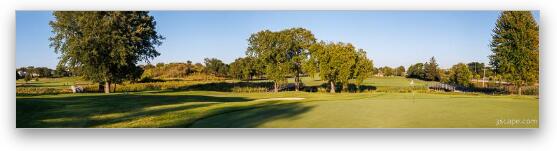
(244,68)
(310,67)
(173,70)
(281,53)
(476,67)
(400,71)
(104,46)
(416,71)
(363,68)
(336,62)
(62,71)
(386,71)
(431,70)
(460,75)
(444,75)
(428,71)
(42,72)
(515,47)
(215,67)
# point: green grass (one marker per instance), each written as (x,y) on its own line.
(198,108)
(63,83)
(226,109)
(386,111)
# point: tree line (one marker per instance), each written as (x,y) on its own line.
(31,72)
(106,46)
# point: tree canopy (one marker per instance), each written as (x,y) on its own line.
(460,75)
(363,68)
(244,68)
(281,53)
(215,67)
(104,46)
(400,71)
(336,62)
(416,71)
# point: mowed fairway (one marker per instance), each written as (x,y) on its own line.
(203,109)
(388,110)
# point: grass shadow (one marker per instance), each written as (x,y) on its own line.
(253,117)
(77,111)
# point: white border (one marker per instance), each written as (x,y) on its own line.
(280,139)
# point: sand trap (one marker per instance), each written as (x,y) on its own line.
(269,99)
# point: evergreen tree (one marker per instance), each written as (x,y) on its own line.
(515,47)
(431,70)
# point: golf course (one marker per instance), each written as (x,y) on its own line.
(216,109)
(142,69)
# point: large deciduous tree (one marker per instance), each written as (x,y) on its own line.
(336,62)
(515,47)
(104,46)
(215,67)
(460,75)
(281,53)
(363,68)
(299,40)
(416,71)
(243,68)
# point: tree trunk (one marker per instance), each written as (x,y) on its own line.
(332,87)
(297,82)
(107,87)
(101,87)
(276,87)
(114,91)
(519,90)
(345,87)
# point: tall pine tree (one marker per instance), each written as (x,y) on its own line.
(515,47)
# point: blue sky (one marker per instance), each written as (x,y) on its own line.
(391,38)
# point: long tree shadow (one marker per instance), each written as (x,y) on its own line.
(253,117)
(76,111)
